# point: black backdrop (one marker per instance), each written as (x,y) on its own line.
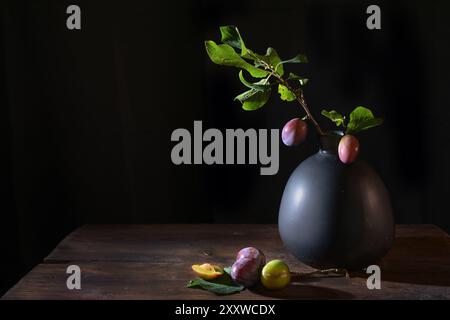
(86,116)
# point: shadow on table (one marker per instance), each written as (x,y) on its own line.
(297,289)
(415,261)
(417,276)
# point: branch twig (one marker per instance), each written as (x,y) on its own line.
(298,96)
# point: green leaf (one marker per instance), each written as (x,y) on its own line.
(271,57)
(261,85)
(302,81)
(253,99)
(285,93)
(300,58)
(221,289)
(227,270)
(274,60)
(362,118)
(224,54)
(334,116)
(297,59)
(222,285)
(231,36)
(244,96)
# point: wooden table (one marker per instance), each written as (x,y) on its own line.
(154,262)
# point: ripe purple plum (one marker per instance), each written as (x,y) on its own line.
(348,148)
(252,253)
(246,272)
(294,132)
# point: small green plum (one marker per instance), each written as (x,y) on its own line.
(275,275)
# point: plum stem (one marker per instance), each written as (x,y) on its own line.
(326,272)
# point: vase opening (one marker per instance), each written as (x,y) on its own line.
(329,141)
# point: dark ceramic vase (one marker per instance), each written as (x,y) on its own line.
(334,215)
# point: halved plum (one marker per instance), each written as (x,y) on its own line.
(207,271)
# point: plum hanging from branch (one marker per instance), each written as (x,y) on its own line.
(269,71)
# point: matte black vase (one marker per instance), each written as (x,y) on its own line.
(334,215)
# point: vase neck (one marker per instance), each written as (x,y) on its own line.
(329,141)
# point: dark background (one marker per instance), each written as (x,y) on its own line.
(86,116)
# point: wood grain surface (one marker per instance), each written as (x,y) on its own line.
(154,262)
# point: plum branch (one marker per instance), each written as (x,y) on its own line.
(270,65)
(298,95)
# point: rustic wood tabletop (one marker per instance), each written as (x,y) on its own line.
(154,262)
